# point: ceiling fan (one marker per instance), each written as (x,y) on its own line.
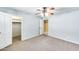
(45,11)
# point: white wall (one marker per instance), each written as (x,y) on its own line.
(65,26)
(30,26)
(16,29)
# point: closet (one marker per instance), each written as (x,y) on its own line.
(10,28)
(16,28)
(44,27)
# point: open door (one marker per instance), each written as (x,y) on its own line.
(5,30)
(41,27)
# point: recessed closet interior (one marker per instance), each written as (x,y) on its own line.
(16,28)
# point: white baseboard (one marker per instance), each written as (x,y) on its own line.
(26,38)
(8,44)
(63,39)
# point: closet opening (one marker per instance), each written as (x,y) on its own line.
(16,29)
(46,27)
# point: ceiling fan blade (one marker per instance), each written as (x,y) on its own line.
(37,13)
(38,10)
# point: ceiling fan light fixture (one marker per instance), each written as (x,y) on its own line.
(42,14)
(52,13)
(44,8)
(52,8)
(46,11)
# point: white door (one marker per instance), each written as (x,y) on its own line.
(5,30)
(41,27)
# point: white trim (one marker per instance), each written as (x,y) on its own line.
(26,38)
(63,39)
(4,46)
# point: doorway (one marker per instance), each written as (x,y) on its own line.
(16,30)
(45,26)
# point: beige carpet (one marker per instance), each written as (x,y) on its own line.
(41,43)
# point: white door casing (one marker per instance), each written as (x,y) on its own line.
(41,27)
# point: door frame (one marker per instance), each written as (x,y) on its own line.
(41,27)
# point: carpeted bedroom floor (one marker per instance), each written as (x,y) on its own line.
(41,43)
